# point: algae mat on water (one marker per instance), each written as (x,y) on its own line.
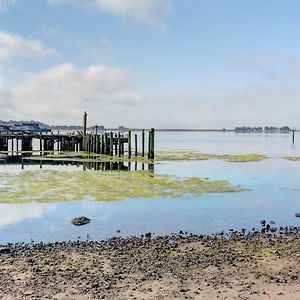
(171,155)
(292,158)
(193,155)
(59,186)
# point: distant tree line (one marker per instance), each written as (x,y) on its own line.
(267,129)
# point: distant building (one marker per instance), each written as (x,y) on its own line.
(24,127)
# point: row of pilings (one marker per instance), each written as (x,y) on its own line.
(107,143)
(114,144)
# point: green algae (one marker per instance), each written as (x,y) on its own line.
(159,156)
(193,155)
(292,158)
(242,158)
(181,155)
(61,186)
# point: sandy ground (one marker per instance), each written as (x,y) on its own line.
(236,266)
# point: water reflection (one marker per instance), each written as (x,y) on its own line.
(15,213)
(93,164)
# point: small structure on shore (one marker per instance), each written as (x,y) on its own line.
(23,127)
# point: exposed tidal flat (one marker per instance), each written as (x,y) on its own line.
(237,265)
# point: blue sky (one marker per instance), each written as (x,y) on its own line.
(161,63)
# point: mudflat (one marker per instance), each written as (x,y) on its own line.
(234,265)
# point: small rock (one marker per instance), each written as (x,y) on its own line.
(148,235)
(263,222)
(297,215)
(80,221)
(4,250)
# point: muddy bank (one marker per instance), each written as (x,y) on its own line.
(238,265)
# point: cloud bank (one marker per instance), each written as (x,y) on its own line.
(61,94)
(12,45)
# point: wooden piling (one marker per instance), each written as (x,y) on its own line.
(119,144)
(149,144)
(129,144)
(84,131)
(143,143)
(293,136)
(136,145)
(152,142)
(12,146)
(116,143)
(111,144)
(41,143)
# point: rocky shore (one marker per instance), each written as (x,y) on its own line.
(260,264)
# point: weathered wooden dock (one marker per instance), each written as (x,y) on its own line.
(107,143)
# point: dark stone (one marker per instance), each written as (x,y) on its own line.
(80,221)
(263,222)
(148,235)
(4,250)
(297,215)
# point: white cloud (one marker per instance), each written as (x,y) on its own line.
(4,4)
(61,94)
(12,45)
(150,12)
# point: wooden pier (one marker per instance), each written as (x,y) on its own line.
(109,143)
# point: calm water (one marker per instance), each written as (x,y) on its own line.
(274,194)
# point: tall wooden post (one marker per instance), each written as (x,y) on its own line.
(84,131)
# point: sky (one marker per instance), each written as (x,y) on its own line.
(151,63)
